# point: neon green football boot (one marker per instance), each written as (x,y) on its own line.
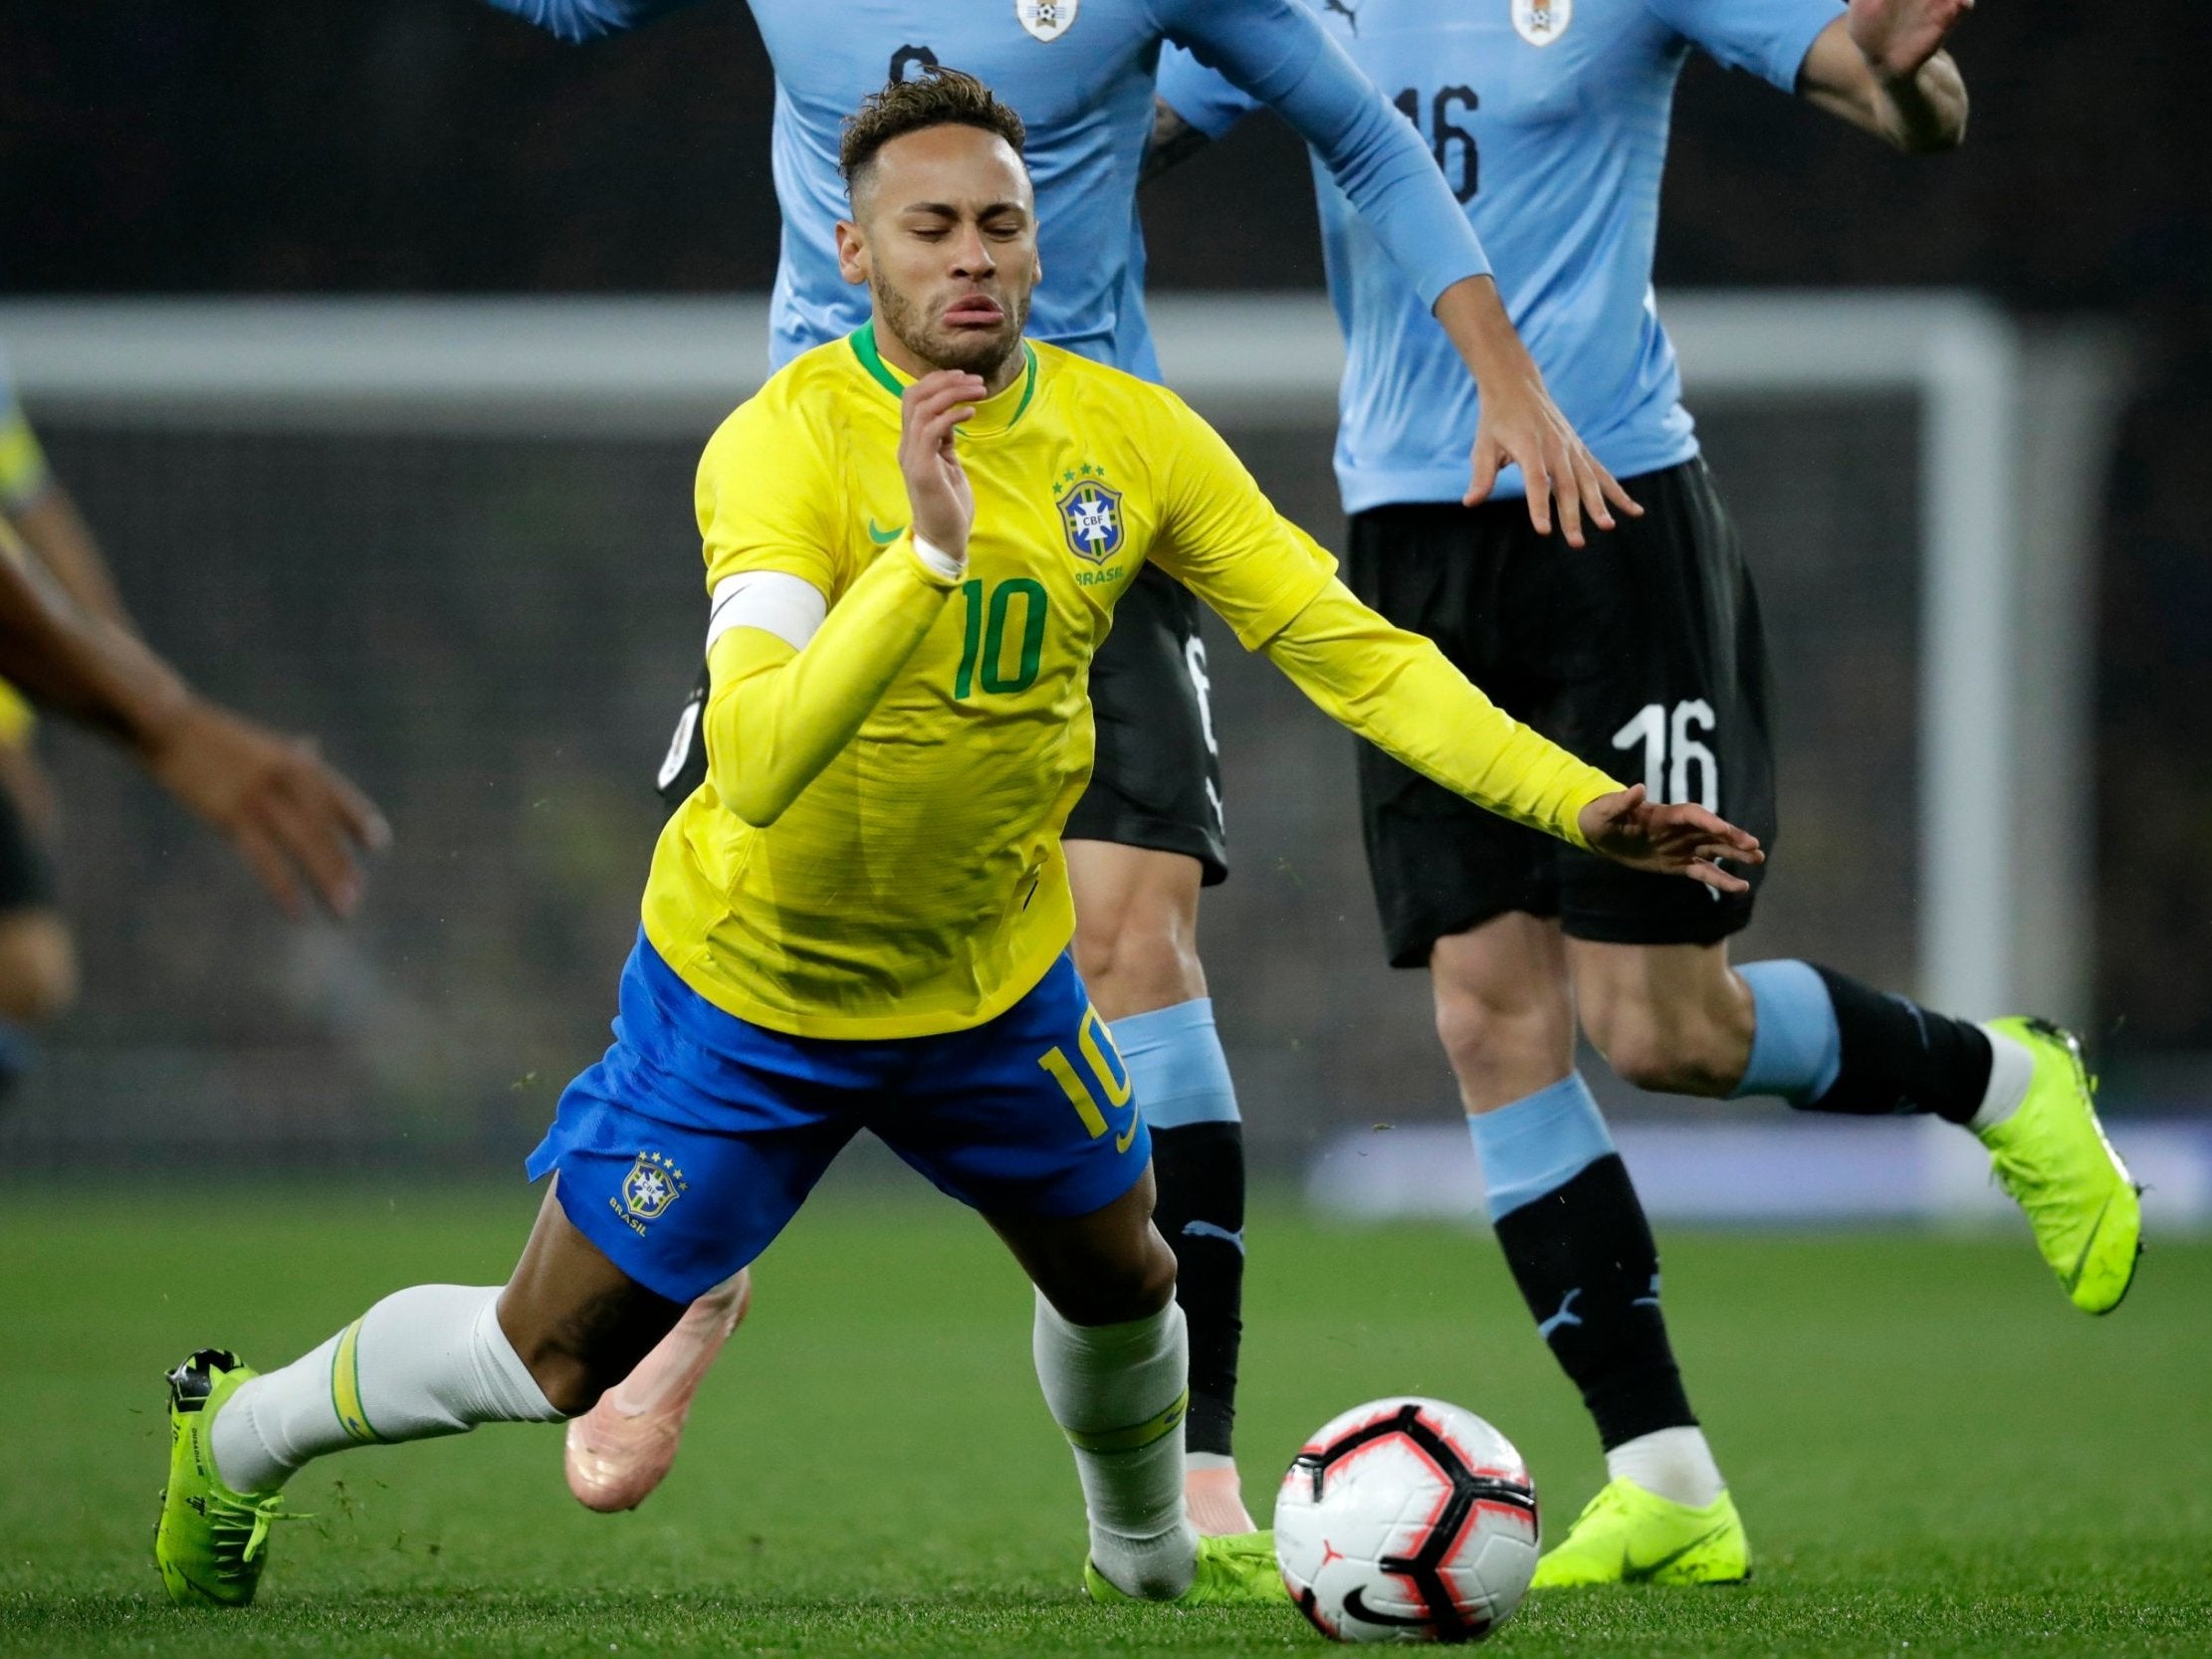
(1234,1571)
(2050,1155)
(1628,1536)
(212,1542)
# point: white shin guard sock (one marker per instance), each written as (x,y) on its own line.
(2011,1070)
(422,1363)
(1118,1393)
(1672,1463)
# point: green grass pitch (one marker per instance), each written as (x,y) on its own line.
(1934,1453)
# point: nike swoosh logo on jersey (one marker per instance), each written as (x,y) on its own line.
(884,538)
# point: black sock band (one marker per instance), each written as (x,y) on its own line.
(1897,1056)
(1584,1259)
(1200,1213)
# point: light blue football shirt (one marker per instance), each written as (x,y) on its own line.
(1548,120)
(1080,73)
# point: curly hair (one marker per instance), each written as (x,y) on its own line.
(940,96)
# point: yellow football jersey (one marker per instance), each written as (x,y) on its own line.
(917,886)
(23,471)
(23,480)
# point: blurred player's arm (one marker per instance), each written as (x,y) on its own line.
(1278,590)
(793,675)
(583,20)
(294,821)
(32,501)
(1882,66)
(1275,52)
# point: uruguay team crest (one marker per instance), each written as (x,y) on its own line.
(653,1184)
(1540,22)
(1090,515)
(1046,20)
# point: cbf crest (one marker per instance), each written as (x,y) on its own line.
(1540,22)
(1090,515)
(1046,20)
(653,1184)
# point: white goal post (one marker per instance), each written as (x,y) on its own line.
(2013,430)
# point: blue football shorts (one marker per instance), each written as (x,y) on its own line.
(696,1137)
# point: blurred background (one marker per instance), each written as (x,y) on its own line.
(484,598)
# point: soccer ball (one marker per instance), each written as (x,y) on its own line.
(1406,1520)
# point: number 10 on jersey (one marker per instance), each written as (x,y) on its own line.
(1105,1068)
(983,636)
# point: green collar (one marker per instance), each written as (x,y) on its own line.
(863,341)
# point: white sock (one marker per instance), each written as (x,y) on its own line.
(422,1363)
(1671,1463)
(1118,1393)
(2011,1069)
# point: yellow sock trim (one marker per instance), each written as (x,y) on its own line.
(1137,1435)
(345,1386)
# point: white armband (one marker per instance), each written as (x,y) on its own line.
(774,601)
(948,568)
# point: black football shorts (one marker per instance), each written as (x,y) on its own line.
(1641,652)
(1156,781)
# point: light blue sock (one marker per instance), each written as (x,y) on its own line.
(1538,1143)
(1175,1059)
(1796,1047)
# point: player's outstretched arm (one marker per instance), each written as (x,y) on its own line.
(300,825)
(790,695)
(1276,588)
(296,821)
(1882,66)
(1397,690)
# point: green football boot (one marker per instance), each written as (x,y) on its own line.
(212,1542)
(2050,1155)
(1234,1571)
(1628,1536)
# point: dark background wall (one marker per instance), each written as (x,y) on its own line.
(435,145)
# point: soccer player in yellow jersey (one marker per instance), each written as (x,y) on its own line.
(915,538)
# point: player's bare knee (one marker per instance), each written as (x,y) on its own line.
(1143,956)
(1486,1035)
(1113,1287)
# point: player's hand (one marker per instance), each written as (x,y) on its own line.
(1522,425)
(1669,840)
(1897,36)
(298,824)
(931,411)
